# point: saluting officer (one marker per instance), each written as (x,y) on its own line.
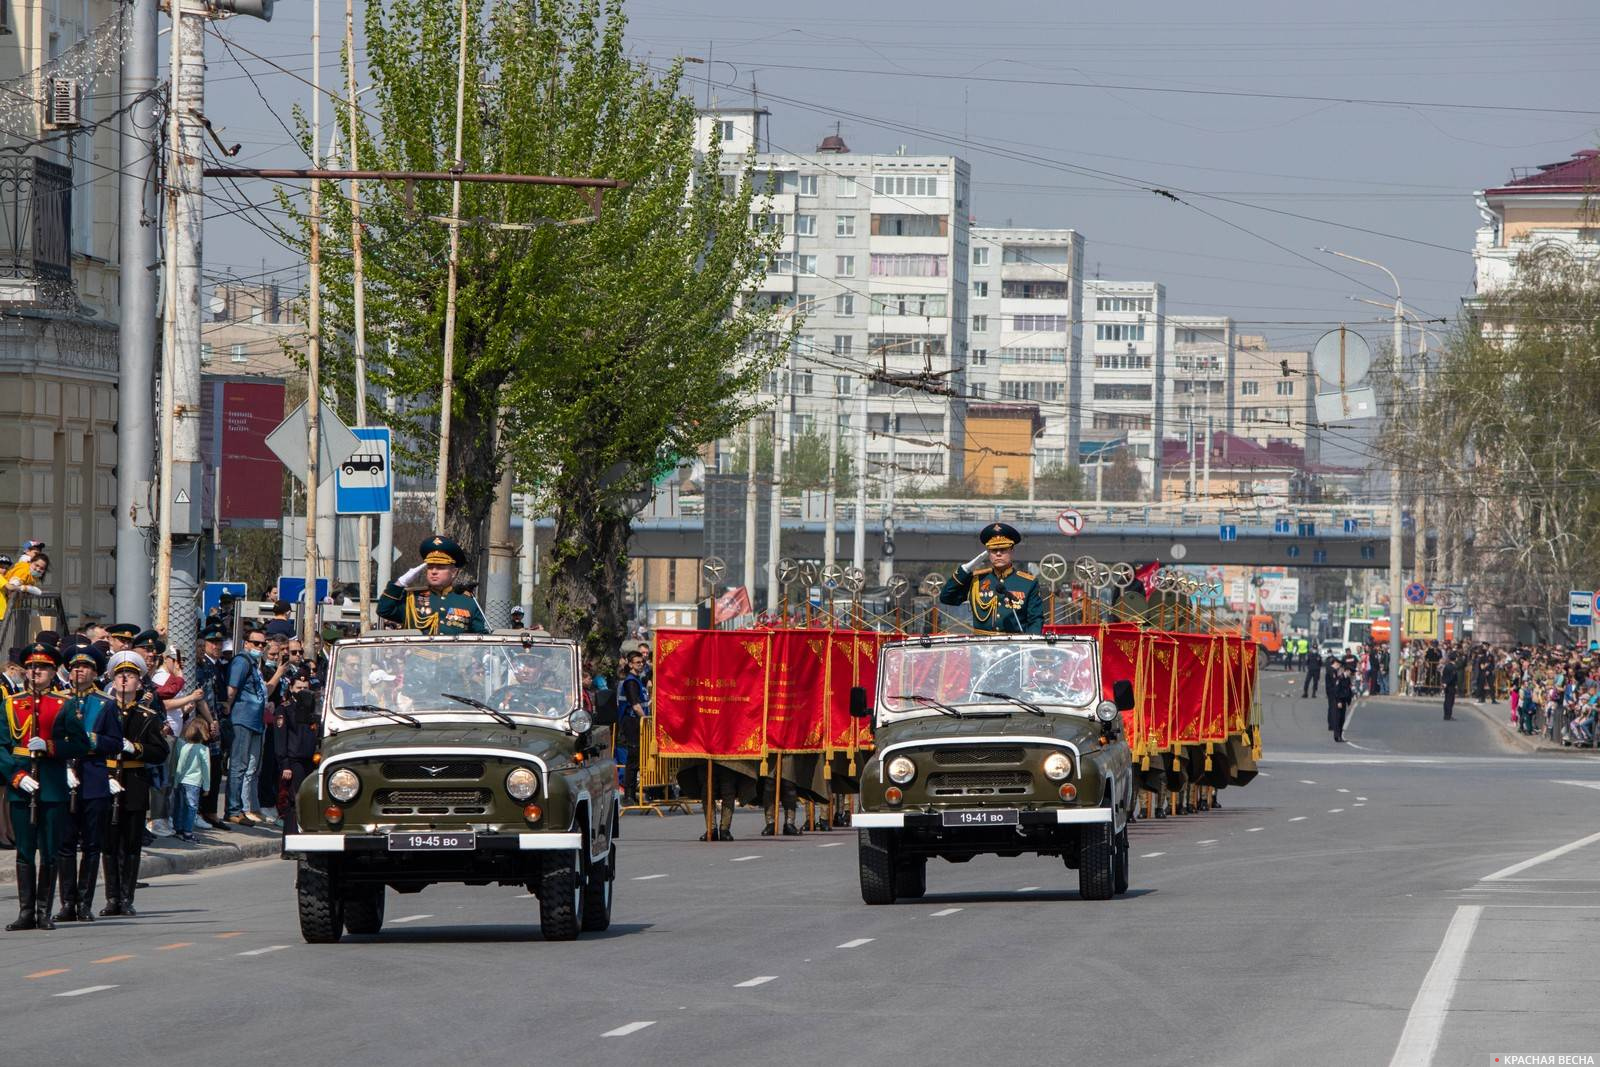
(1003,599)
(142,744)
(78,859)
(434,607)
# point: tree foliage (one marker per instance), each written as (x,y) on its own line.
(805,462)
(1122,478)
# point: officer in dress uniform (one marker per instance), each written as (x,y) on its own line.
(1003,599)
(89,805)
(121,636)
(39,743)
(434,606)
(142,744)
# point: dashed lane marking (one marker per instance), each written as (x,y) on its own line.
(48,974)
(1358,804)
(762,979)
(648,877)
(114,959)
(630,1028)
(1029,889)
(175,944)
(742,859)
(857,943)
(409,919)
(1334,811)
(1207,841)
(86,990)
(1307,781)
(943,912)
(1344,790)
(231,933)
(831,844)
(1255,829)
(1298,818)
(1361,798)
(264,951)
(1151,855)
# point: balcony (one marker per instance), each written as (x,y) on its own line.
(35,234)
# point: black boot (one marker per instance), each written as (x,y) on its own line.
(789,828)
(130,881)
(111,862)
(46,896)
(27,918)
(768,830)
(88,873)
(69,889)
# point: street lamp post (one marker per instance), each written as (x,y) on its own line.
(1396,549)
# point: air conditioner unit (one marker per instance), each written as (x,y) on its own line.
(64,104)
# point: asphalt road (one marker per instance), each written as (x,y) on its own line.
(1366,903)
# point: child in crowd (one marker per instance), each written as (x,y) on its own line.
(192,772)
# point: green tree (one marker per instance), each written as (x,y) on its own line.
(1123,481)
(805,463)
(590,354)
(1061,482)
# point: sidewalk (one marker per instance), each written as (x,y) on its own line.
(1500,715)
(171,856)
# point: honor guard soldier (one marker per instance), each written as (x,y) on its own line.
(1003,599)
(39,743)
(89,804)
(143,745)
(424,597)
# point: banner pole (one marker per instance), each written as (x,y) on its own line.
(711,833)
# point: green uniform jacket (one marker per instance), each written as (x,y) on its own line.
(432,613)
(1003,604)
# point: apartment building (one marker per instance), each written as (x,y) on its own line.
(1200,370)
(1024,330)
(1551,204)
(873,258)
(1274,398)
(251,328)
(1126,399)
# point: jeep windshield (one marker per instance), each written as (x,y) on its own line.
(1002,676)
(374,681)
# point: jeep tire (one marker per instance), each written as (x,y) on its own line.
(597,894)
(561,897)
(1097,860)
(911,877)
(321,910)
(363,913)
(876,851)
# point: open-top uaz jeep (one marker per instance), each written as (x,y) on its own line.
(993,745)
(456,759)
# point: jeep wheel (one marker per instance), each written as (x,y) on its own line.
(321,912)
(1097,859)
(911,878)
(561,898)
(1121,872)
(876,851)
(363,914)
(597,894)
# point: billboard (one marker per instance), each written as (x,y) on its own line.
(1280,595)
(242,414)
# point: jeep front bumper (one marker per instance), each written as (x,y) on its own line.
(303,844)
(922,820)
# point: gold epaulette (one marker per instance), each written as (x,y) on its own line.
(982,570)
(1024,575)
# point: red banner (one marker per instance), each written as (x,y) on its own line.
(1193,689)
(1248,669)
(796,689)
(852,660)
(732,604)
(1162,692)
(710,693)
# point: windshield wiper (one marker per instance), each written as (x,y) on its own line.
(378,709)
(930,702)
(1025,705)
(499,716)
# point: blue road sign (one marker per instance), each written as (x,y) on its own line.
(1293,551)
(1369,552)
(290,590)
(361,484)
(1319,555)
(1227,533)
(1580,608)
(211,595)
(1416,593)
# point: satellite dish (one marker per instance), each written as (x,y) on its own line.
(217,305)
(1341,358)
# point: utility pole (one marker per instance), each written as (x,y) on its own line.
(386,520)
(886,564)
(446,387)
(830,522)
(528,548)
(859,549)
(782,412)
(1206,478)
(752,501)
(358,280)
(136,340)
(1193,484)
(309,630)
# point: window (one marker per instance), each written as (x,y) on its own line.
(804,387)
(1032,390)
(906,185)
(980,324)
(236,353)
(1119,331)
(1250,388)
(978,390)
(980,256)
(725,129)
(1106,420)
(1033,356)
(903,344)
(980,289)
(844,304)
(844,266)
(920,304)
(1122,392)
(979,357)
(808,185)
(205,351)
(1286,388)
(808,304)
(806,264)
(909,265)
(910,226)
(782,263)
(842,385)
(844,225)
(257,316)
(1250,414)
(844,186)
(805,225)
(1039,323)
(1036,290)
(841,344)
(923,462)
(766,222)
(1131,361)
(1050,457)
(1122,303)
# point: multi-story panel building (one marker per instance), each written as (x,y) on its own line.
(1200,370)
(251,328)
(1024,330)
(1552,204)
(873,258)
(1127,396)
(1274,396)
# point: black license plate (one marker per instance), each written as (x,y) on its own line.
(433,841)
(985,817)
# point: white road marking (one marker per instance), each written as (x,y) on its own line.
(1207,841)
(1151,855)
(1344,790)
(1334,811)
(1307,781)
(409,919)
(631,1028)
(1363,748)
(944,912)
(857,943)
(831,844)
(85,989)
(1358,804)
(1425,1022)
(1586,785)
(741,859)
(1361,798)
(758,980)
(648,877)
(1255,829)
(1518,868)
(1029,889)
(1298,818)
(263,951)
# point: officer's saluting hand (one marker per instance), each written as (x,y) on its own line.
(1002,598)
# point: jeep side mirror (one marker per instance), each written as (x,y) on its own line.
(859,708)
(1122,695)
(605,707)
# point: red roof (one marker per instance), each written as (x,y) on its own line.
(1580,174)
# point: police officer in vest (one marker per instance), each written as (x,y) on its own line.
(424,597)
(1003,599)
(78,859)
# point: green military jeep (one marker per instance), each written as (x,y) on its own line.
(456,759)
(997,745)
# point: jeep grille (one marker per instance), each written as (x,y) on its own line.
(967,755)
(432,802)
(980,783)
(408,770)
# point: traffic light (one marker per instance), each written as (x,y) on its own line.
(259,9)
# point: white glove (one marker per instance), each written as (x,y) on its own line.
(35,590)
(72,778)
(972,564)
(127,747)
(409,578)
(37,745)
(28,784)
(116,787)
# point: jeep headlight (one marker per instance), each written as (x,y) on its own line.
(1105,711)
(901,770)
(580,721)
(343,785)
(521,783)
(1057,766)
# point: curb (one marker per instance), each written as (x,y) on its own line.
(181,859)
(1516,737)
